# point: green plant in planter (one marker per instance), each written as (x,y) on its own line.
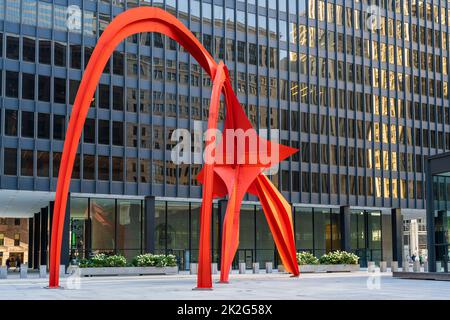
(155,260)
(102,260)
(306,258)
(339,257)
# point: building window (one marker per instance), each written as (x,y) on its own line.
(103,131)
(12,47)
(12,84)
(17,222)
(60,54)
(27,129)
(17,239)
(28,49)
(117,98)
(10,161)
(28,86)
(11,122)
(117,169)
(59,127)
(75,56)
(26,163)
(103,231)
(43,164)
(103,168)
(118,63)
(45,51)
(88,167)
(103,96)
(117,133)
(89,131)
(44,88)
(2,239)
(73,89)
(43,126)
(56,163)
(60,90)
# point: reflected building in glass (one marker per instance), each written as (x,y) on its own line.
(364,105)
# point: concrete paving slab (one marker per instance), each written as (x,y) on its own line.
(349,286)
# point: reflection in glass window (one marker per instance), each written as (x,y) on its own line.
(102,213)
(45,15)
(2,12)
(60,18)
(129,224)
(89,23)
(13,10)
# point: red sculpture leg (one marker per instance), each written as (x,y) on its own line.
(142,19)
(204,258)
(278,213)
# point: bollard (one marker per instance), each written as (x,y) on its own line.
(370,266)
(214,268)
(416,266)
(269,267)
(43,271)
(3,272)
(281,268)
(256,267)
(425,266)
(23,271)
(242,268)
(193,268)
(394,266)
(383,266)
(62,270)
(405,266)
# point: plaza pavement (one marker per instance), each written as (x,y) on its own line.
(348,286)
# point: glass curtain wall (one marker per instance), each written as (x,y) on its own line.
(317,230)
(177,230)
(441,212)
(112,226)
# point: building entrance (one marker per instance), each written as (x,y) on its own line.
(366,236)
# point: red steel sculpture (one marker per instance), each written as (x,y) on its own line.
(233,178)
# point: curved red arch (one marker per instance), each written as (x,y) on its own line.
(142,19)
(217,181)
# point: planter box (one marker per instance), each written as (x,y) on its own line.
(127,271)
(310,268)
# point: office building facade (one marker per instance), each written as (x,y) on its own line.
(360,87)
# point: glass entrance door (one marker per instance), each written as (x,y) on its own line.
(365,236)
